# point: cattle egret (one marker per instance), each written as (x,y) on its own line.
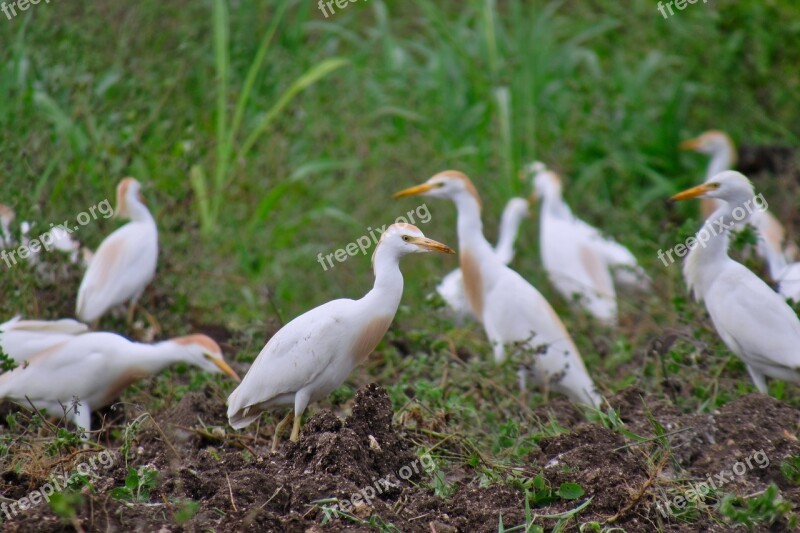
(93,369)
(22,339)
(577,258)
(6,218)
(515,316)
(124,263)
(753,320)
(771,233)
(313,354)
(56,238)
(451,289)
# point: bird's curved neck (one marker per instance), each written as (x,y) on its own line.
(138,212)
(721,160)
(388,287)
(554,205)
(710,250)
(470,226)
(152,358)
(509,228)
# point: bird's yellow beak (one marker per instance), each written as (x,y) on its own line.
(225,367)
(434,246)
(695,192)
(691,144)
(415,191)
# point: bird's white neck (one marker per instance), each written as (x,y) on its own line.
(388,288)
(553,204)
(155,357)
(138,212)
(509,228)
(710,251)
(722,159)
(470,226)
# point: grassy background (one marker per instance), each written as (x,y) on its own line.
(93,92)
(602,90)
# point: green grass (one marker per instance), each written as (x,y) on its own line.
(266,134)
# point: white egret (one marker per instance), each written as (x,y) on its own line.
(771,246)
(514,314)
(578,259)
(6,218)
(22,339)
(313,354)
(93,369)
(451,288)
(125,262)
(753,320)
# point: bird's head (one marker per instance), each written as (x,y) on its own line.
(128,191)
(709,143)
(517,208)
(204,352)
(546,183)
(450,184)
(7,216)
(406,239)
(730,186)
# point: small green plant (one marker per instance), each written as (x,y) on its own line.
(790,468)
(6,362)
(63,439)
(66,503)
(764,509)
(185,510)
(540,493)
(138,485)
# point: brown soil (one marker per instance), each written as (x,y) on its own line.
(240,486)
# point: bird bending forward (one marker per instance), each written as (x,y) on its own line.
(91,370)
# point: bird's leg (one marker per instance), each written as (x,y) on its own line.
(758,379)
(131,312)
(151,320)
(523,384)
(279,429)
(296,429)
(82,417)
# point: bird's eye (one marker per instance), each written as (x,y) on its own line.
(406,238)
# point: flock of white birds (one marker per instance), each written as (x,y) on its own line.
(66,368)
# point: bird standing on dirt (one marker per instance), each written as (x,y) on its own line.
(451,289)
(578,259)
(313,354)
(514,314)
(753,320)
(125,262)
(91,370)
(771,246)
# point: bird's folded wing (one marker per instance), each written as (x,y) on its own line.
(612,252)
(297,354)
(57,377)
(764,326)
(105,276)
